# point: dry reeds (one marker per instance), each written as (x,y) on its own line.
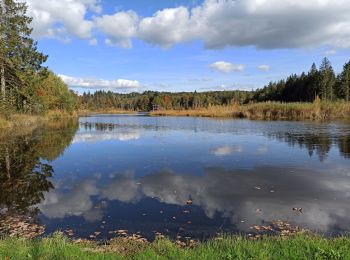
(269,110)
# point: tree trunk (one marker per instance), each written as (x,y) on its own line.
(3,82)
(7,163)
(2,54)
(331,93)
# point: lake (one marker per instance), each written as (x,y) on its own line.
(179,176)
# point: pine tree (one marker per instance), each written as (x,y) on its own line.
(313,87)
(18,51)
(327,80)
(343,83)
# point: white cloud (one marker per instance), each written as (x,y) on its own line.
(122,84)
(119,28)
(273,23)
(61,18)
(330,52)
(93,42)
(226,67)
(229,86)
(264,67)
(265,24)
(167,27)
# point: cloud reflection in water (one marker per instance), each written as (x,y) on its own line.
(230,193)
(99,136)
(226,150)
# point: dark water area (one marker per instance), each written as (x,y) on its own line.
(179,176)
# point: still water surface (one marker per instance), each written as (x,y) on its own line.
(140,173)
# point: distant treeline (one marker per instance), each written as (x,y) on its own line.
(322,83)
(166,100)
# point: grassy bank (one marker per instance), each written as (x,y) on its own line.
(295,247)
(25,120)
(269,110)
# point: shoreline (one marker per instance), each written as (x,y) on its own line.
(256,111)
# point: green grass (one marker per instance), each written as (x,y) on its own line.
(297,247)
(56,247)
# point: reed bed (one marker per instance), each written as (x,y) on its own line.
(25,120)
(269,110)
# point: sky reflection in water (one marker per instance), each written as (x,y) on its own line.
(137,172)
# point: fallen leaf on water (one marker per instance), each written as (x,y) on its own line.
(159,235)
(119,231)
(256,227)
(180,243)
(70,232)
(298,210)
(189,202)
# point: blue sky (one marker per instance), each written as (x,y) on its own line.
(186,45)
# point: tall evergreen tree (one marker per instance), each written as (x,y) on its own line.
(313,88)
(18,51)
(343,83)
(327,80)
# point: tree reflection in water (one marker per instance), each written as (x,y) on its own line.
(25,169)
(321,143)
